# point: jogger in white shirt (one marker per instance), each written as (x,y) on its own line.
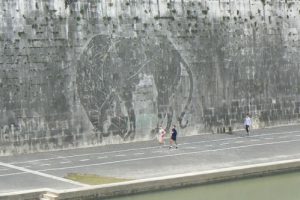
(247,123)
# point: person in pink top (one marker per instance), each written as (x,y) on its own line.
(161,136)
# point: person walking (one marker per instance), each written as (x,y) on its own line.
(173,138)
(247,123)
(161,136)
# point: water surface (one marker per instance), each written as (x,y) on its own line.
(277,187)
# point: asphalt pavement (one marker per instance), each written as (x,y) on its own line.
(140,160)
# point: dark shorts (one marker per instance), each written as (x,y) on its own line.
(173,138)
(247,128)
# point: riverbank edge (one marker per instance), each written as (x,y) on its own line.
(159,183)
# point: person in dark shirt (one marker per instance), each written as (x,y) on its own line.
(173,137)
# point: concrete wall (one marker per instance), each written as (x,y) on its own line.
(77,73)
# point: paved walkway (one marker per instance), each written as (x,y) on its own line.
(146,159)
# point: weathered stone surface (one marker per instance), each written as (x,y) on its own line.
(75,73)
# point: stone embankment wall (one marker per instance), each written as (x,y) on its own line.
(78,73)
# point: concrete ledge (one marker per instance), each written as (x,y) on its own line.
(25,195)
(168,182)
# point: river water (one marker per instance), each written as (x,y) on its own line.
(277,187)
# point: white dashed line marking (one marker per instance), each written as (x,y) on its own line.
(65,162)
(102,157)
(283,137)
(138,153)
(254,140)
(239,142)
(120,155)
(84,160)
(138,149)
(224,143)
(269,138)
(190,147)
(3,169)
(37,173)
(209,145)
(45,165)
(171,155)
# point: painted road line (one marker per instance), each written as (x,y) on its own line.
(138,154)
(101,157)
(65,162)
(157,151)
(282,137)
(242,137)
(224,143)
(254,140)
(239,141)
(170,155)
(41,174)
(146,148)
(13,174)
(83,160)
(44,165)
(120,155)
(190,147)
(269,138)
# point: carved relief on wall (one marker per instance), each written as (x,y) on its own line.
(130,85)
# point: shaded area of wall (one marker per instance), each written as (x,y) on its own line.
(76,73)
